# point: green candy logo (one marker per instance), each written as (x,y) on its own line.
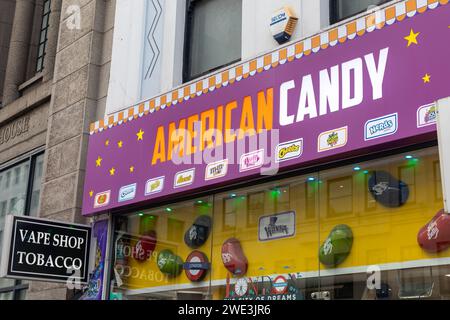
(333,139)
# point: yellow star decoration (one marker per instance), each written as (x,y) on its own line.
(131,169)
(112,172)
(91,193)
(120,144)
(412,38)
(140,135)
(426,78)
(106,143)
(98,162)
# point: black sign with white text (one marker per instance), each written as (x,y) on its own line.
(45,250)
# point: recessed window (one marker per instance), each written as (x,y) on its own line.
(230,212)
(43,36)
(340,196)
(213,36)
(255,208)
(343,9)
(20,187)
(438,194)
(407,174)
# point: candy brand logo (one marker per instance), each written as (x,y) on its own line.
(154,186)
(283,152)
(184,178)
(277,226)
(381,127)
(193,233)
(426,115)
(216,170)
(162,261)
(327,247)
(333,139)
(227,257)
(252,160)
(127,193)
(102,199)
(380,188)
(432,231)
(273,229)
(289,150)
(431,115)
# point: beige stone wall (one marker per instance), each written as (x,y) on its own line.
(6,20)
(55,108)
(79,93)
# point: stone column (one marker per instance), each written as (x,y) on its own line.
(18,51)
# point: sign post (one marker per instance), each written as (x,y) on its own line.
(43,250)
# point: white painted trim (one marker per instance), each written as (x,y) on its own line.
(443,120)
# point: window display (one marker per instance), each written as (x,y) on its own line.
(159,250)
(361,231)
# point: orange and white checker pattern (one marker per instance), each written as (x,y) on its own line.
(331,37)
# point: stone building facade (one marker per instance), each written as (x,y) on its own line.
(54,69)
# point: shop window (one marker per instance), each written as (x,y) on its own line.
(174,228)
(230,211)
(36,185)
(43,36)
(370,202)
(213,36)
(255,208)
(407,174)
(416,283)
(151,247)
(3,208)
(18,196)
(310,200)
(16,175)
(331,253)
(438,195)
(8,179)
(280,199)
(343,9)
(340,196)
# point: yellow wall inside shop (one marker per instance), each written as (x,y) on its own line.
(381,235)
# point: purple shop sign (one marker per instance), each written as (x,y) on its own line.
(94,290)
(361,95)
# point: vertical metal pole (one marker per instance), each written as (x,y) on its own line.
(108,263)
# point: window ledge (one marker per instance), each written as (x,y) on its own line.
(37,78)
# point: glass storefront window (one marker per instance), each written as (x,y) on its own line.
(15,199)
(371,230)
(392,199)
(343,9)
(13,186)
(248,258)
(151,246)
(36,191)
